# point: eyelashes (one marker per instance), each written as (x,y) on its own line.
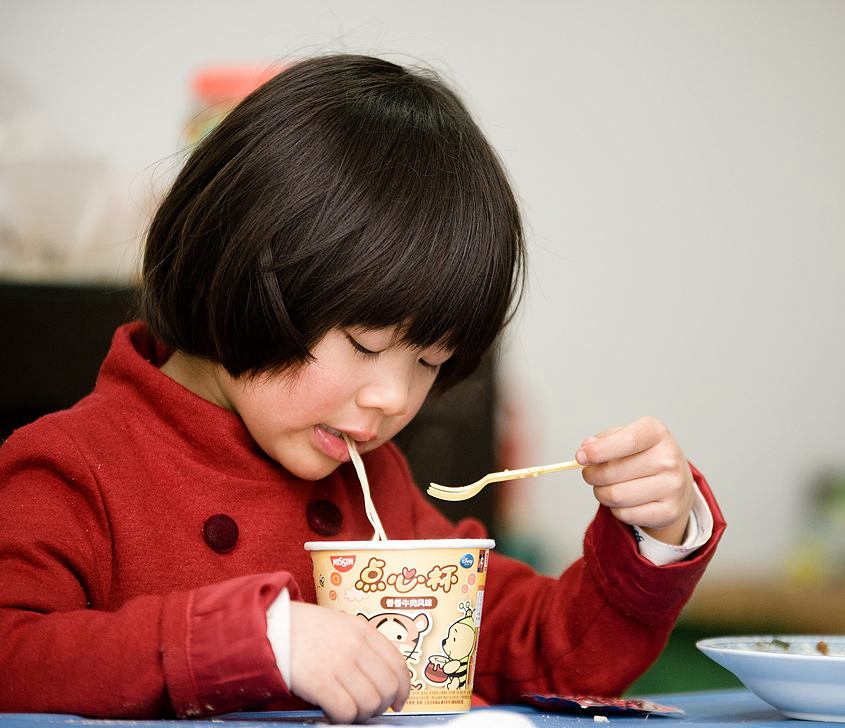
(362,350)
(370,355)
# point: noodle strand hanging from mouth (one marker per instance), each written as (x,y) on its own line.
(369,506)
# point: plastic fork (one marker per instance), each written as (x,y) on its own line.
(464,492)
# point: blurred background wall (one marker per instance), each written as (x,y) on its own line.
(681,167)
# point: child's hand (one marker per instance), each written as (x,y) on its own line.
(342,664)
(640,473)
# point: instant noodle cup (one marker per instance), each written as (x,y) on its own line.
(424,596)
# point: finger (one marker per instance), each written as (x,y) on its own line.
(654,461)
(635,493)
(337,703)
(653,515)
(401,688)
(636,437)
(365,692)
(324,689)
(656,502)
(582,455)
(603,433)
(392,685)
(336,679)
(389,668)
(387,652)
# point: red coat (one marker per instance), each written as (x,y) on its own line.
(115,603)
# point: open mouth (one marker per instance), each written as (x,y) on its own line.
(358,439)
(332,431)
(332,441)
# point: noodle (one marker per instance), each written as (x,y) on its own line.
(369,506)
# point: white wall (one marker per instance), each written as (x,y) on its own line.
(682,171)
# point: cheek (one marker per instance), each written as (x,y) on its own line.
(295,403)
(316,397)
(265,410)
(259,414)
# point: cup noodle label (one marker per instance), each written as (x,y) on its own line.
(427,602)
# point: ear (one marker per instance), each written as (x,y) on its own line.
(421,622)
(363,616)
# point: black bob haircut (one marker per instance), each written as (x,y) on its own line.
(345,191)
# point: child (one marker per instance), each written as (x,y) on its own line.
(344,241)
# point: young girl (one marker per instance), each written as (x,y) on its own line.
(343,242)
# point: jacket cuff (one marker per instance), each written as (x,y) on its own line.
(216,655)
(642,589)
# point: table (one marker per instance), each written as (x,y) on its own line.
(703,709)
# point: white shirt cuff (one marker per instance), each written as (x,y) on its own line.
(699,530)
(278,633)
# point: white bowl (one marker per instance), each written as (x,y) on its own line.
(796,678)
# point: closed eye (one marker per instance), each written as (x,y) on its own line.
(362,350)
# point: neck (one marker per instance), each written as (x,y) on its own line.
(196,375)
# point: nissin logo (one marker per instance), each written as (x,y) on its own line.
(343,563)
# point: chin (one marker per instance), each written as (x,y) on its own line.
(312,471)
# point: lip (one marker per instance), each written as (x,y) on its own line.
(333,446)
(330,445)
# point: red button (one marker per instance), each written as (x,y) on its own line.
(220,533)
(324,517)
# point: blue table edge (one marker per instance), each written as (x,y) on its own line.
(704,708)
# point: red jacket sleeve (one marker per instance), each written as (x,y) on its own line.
(593,630)
(185,653)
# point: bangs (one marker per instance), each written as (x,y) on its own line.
(445,272)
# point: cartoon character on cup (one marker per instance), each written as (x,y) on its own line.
(404,632)
(452,667)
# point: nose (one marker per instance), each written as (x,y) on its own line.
(389,391)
